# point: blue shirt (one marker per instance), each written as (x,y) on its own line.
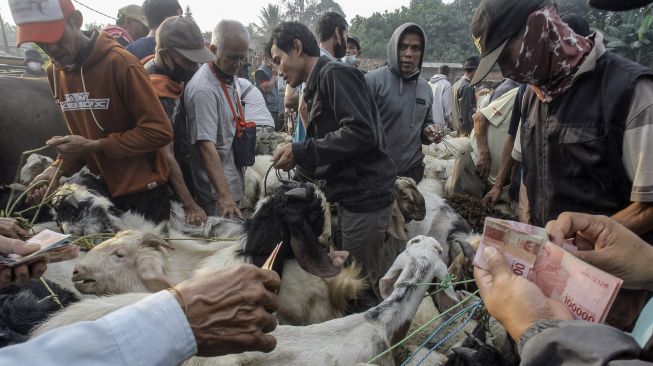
(153,331)
(142,47)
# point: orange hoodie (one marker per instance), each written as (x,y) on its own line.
(110,98)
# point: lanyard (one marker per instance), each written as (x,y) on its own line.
(238,114)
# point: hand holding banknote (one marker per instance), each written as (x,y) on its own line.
(20,274)
(514,301)
(614,249)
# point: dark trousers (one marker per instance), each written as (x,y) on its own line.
(154,204)
(363,235)
(416,172)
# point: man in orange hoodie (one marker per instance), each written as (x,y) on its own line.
(118,127)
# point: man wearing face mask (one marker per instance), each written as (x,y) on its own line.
(584,139)
(179,51)
(353,52)
(405,101)
(34,63)
(118,127)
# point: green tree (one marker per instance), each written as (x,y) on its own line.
(308,11)
(269,17)
(188,14)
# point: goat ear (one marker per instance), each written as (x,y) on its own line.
(387,283)
(397,227)
(299,193)
(155,242)
(150,271)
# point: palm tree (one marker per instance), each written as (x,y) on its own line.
(268,19)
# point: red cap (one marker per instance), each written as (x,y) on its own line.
(40,21)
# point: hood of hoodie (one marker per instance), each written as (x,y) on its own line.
(437,77)
(101,44)
(393,50)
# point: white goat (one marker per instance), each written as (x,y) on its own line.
(34,166)
(136,262)
(346,341)
(259,178)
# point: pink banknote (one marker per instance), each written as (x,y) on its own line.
(587,291)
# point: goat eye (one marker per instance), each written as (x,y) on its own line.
(118,254)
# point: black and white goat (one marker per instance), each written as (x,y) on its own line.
(314,287)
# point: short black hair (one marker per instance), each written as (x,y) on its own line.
(326,25)
(156,11)
(285,34)
(413,29)
(445,70)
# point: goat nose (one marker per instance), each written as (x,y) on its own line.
(75,271)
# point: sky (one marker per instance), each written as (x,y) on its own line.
(208,13)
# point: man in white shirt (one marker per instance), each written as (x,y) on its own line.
(256,111)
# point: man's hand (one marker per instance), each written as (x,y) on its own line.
(433,133)
(230,311)
(491,197)
(11,229)
(608,245)
(195,215)
(228,207)
(37,194)
(484,164)
(20,274)
(283,158)
(74,146)
(514,301)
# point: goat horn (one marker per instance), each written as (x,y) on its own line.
(299,193)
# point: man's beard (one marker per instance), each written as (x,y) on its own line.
(340,49)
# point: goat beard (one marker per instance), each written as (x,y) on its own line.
(312,257)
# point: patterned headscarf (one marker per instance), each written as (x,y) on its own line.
(550,53)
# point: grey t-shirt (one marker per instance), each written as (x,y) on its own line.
(210,119)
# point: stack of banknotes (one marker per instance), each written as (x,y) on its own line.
(55,247)
(587,291)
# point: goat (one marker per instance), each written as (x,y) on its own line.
(22,308)
(295,215)
(34,166)
(259,179)
(345,341)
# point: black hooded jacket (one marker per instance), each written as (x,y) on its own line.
(345,146)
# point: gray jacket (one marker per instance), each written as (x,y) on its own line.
(578,343)
(405,104)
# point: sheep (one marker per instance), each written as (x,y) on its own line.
(357,338)
(295,215)
(34,166)
(260,179)
(22,308)
(449,148)
(435,168)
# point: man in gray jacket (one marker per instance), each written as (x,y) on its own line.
(405,101)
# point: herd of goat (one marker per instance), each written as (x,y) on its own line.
(429,241)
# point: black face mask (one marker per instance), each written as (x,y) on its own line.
(179,74)
(340,49)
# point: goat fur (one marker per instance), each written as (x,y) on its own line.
(353,339)
(22,308)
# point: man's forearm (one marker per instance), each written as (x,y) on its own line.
(177,178)
(212,165)
(507,162)
(638,217)
(480,131)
